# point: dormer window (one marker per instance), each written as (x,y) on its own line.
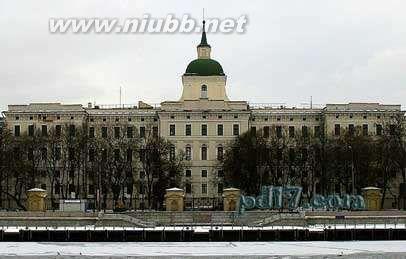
(203,92)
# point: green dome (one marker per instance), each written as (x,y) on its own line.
(204,67)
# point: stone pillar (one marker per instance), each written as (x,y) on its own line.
(372,197)
(174,199)
(36,199)
(231,199)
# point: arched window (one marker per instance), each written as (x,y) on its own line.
(204,152)
(203,92)
(188,152)
(220,153)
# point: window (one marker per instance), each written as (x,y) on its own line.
(379,129)
(203,93)
(236,129)
(44,153)
(44,130)
(279,153)
(155,131)
(172,153)
(220,188)
(142,191)
(188,188)
(58,153)
(279,131)
(304,154)
(204,173)
(204,188)
(305,132)
(317,131)
(220,173)
(172,130)
(291,131)
(31,130)
(72,130)
(392,129)
(204,130)
(337,129)
(91,132)
(116,154)
(91,155)
(351,130)
(188,153)
(204,152)
(220,130)
(337,188)
(31,154)
(17,130)
(188,130)
(129,155)
(57,188)
(254,130)
(266,132)
(220,153)
(129,188)
(58,130)
(188,173)
(91,188)
(130,132)
(365,129)
(104,155)
(142,132)
(292,154)
(71,188)
(104,132)
(116,132)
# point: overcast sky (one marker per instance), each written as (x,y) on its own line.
(333,50)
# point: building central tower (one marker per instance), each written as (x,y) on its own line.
(204,78)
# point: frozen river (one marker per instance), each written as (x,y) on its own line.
(353,249)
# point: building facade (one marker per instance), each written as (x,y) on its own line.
(203,121)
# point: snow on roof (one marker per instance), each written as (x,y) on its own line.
(174,190)
(36,190)
(371,188)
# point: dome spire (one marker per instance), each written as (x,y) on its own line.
(203,41)
(203,49)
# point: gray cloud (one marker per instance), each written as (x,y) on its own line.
(335,51)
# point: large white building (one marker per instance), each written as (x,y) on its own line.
(203,120)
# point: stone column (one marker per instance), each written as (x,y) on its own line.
(36,199)
(174,199)
(372,197)
(231,199)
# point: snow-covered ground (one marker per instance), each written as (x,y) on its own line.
(205,249)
